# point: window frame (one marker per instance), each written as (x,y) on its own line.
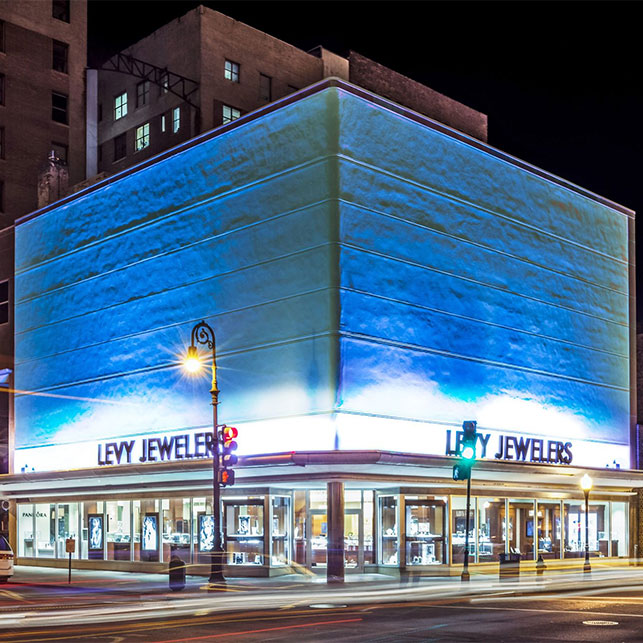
(2,89)
(3,149)
(120,146)
(4,302)
(120,108)
(142,135)
(62,47)
(176,119)
(232,71)
(58,109)
(61,10)
(63,147)
(231,117)
(265,95)
(142,97)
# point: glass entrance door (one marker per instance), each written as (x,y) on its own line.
(353,539)
(318,541)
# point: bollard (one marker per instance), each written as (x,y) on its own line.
(540,566)
(177,574)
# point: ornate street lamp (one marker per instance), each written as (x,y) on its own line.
(586,486)
(203,334)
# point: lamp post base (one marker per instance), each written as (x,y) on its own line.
(216,569)
(465,577)
(587,567)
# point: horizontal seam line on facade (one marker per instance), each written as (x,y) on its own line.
(425,349)
(480,283)
(177,366)
(174,288)
(464,202)
(490,249)
(175,325)
(167,253)
(487,323)
(181,209)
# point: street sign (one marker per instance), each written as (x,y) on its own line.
(70,545)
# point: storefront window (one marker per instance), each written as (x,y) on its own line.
(25,537)
(598,525)
(280,530)
(491,529)
(318,527)
(118,532)
(459,528)
(424,531)
(619,529)
(521,528)
(352,527)
(203,529)
(368,528)
(549,528)
(92,539)
(389,533)
(300,527)
(147,530)
(67,516)
(176,528)
(45,537)
(244,532)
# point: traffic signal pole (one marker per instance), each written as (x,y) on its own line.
(465,569)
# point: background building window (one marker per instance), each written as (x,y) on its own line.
(59,107)
(165,83)
(1,89)
(231,71)
(163,126)
(1,196)
(230,114)
(4,302)
(120,106)
(142,93)
(60,9)
(1,35)
(60,56)
(60,152)
(2,148)
(265,87)
(120,146)
(176,119)
(142,137)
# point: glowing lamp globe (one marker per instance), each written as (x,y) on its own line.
(192,363)
(586,483)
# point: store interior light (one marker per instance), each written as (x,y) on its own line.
(192,363)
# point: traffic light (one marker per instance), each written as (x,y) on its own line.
(227,459)
(467,451)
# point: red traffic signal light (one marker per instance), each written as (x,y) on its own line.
(226,477)
(228,433)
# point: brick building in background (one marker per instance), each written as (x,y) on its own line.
(43,57)
(205,69)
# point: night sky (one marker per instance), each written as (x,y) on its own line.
(560,81)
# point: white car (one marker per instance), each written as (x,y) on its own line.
(6,560)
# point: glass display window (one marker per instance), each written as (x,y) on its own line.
(368,527)
(118,528)
(67,517)
(619,528)
(202,529)
(26,530)
(92,530)
(491,526)
(598,528)
(45,530)
(176,528)
(521,527)
(389,540)
(425,531)
(548,529)
(244,531)
(146,530)
(318,527)
(299,533)
(459,528)
(281,521)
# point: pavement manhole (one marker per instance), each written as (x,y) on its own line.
(325,606)
(603,623)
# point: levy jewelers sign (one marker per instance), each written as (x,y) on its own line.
(515,448)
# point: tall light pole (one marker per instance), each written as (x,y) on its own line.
(586,486)
(203,334)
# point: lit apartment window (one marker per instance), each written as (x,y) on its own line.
(142,137)
(230,114)
(4,302)
(120,106)
(120,147)
(163,125)
(59,107)
(2,147)
(60,51)
(60,9)
(265,87)
(60,152)
(231,71)
(176,119)
(142,93)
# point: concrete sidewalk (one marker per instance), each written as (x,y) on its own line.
(141,584)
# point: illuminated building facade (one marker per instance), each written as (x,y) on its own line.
(374,278)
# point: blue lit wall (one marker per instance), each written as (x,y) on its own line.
(353,263)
